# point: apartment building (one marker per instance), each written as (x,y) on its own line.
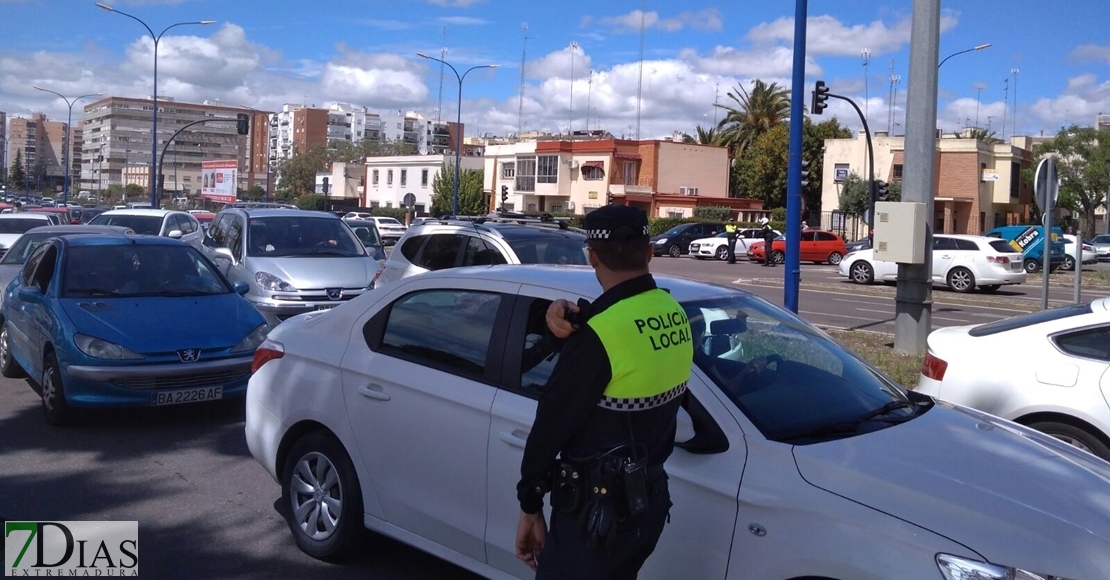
(665,178)
(117,141)
(388,179)
(42,143)
(426,136)
(296,128)
(978,186)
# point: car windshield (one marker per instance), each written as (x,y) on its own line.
(365,232)
(1103,239)
(676,230)
(17,254)
(793,381)
(550,251)
(18,226)
(389,222)
(275,237)
(147,225)
(131,270)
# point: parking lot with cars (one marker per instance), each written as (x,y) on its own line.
(401,407)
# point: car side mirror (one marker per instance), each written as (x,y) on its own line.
(241,288)
(372,251)
(30,294)
(225,252)
(708,437)
(175,234)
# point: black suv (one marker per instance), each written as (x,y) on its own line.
(676,241)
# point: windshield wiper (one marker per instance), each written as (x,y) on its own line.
(331,252)
(91,292)
(853,425)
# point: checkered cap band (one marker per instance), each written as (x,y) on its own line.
(604,234)
(642,403)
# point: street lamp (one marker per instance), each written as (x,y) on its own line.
(980,47)
(154,97)
(458,123)
(67,146)
(254,110)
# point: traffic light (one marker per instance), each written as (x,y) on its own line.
(609,198)
(504,194)
(243,124)
(882,190)
(820,98)
(325,186)
(805,173)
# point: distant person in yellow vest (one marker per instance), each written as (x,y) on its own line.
(605,423)
(730,231)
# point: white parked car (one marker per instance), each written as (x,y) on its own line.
(406,411)
(717,246)
(961,262)
(154,222)
(14,225)
(1061,385)
(389,228)
(1073,254)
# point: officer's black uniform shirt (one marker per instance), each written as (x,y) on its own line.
(568,418)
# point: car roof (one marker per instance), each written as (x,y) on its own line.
(78,229)
(273,212)
(141,212)
(575,280)
(113,240)
(25,216)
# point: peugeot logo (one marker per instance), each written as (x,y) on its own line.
(334,293)
(189,354)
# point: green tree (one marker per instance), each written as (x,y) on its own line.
(472,201)
(855,199)
(752,115)
(1083,164)
(702,136)
(38,172)
(762,169)
(813,150)
(255,193)
(312,201)
(983,135)
(358,151)
(17,175)
(298,173)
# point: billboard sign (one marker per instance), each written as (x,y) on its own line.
(218,180)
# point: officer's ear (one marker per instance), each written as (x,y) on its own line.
(650,252)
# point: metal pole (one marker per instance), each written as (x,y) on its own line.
(794,167)
(1047,257)
(458,147)
(1078,265)
(154,132)
(914,296)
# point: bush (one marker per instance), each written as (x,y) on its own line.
(311,201)
(397,213)
(713,213)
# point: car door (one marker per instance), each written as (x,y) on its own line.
(944,254)
(808,248)
(215,238)
(704,487)
(38,315)
(20,329)
(418,381)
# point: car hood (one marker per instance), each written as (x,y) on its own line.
(710,240)
(317,272)
(6,240)
(8,272)
(165,324)
(1017,497)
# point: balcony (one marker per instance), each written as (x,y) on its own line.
(636,187)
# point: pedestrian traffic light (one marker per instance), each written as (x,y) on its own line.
(805,173)
(504,194)
(820,98)
(882,190)
(243,124)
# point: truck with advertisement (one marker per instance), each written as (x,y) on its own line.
(1029,240)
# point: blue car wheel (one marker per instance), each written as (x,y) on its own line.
(54,403)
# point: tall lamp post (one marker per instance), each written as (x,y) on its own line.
(458,123)
(154,97)
(974,48)
(67,146)
(254,110)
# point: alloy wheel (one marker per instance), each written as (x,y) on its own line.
(316,496)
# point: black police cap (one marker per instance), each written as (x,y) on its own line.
(616,223)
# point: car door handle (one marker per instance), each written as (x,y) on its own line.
(373,391)
(515,438)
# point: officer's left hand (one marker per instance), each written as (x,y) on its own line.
(531,533)
(556,323)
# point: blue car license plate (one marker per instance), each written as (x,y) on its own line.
(184,396)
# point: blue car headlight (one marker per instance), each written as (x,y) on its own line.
(102,349)
(252,340)
(272,283)
(957,568)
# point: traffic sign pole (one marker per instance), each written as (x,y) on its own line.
(1046,186)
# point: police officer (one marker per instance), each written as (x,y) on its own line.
(730,231)
(768,242)
(605,423)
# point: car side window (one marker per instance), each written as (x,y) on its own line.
(825,237)
(540,355)
(1091,343)
(44,271)
(235,237)
(944,244)
(32,263)
(217,232)
(411,247)
(449,330)
(808,236)
(479,253)
(441,251)
(186,223)
(967,245)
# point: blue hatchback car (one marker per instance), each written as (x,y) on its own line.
(117,321)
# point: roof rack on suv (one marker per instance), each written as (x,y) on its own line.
(259,205)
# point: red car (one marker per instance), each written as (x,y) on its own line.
(817,246)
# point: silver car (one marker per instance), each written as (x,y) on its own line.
(1102,247)
(294,260)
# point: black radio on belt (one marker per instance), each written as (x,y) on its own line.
(634,477)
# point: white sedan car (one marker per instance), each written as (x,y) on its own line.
(717,246)
(406,411)
(960,262)
(1073,253)
(1062,387)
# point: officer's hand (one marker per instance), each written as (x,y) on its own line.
(531,533)
(556,323)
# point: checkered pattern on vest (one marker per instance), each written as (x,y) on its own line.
(641,403)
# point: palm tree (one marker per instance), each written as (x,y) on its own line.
(989,137)
(705,136)
(754,113)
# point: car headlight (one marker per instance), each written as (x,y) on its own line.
(272,283)
(252,340)
(660,241)
(103,349)
(957,568)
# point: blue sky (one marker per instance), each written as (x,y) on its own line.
(264,54)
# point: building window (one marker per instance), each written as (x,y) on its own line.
(675,213)
(389,177)
(424,178)
(508,170)
(593,173)
(548,169)
(897,172)
(1015,178)
(525,174)
(630,173)
(404,177)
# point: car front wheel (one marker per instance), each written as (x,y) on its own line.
(1074,436)
(54,404)
(861,272)
(674,251)
(778,256)
(321,497)
(722,253)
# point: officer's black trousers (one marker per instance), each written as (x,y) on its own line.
(731,249)
(567,557)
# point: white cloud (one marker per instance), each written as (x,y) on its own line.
(706,19)
(455,3)
(385,80)
(386,24)
(558,64)
(461,20)
(1091,52)
(826,35)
